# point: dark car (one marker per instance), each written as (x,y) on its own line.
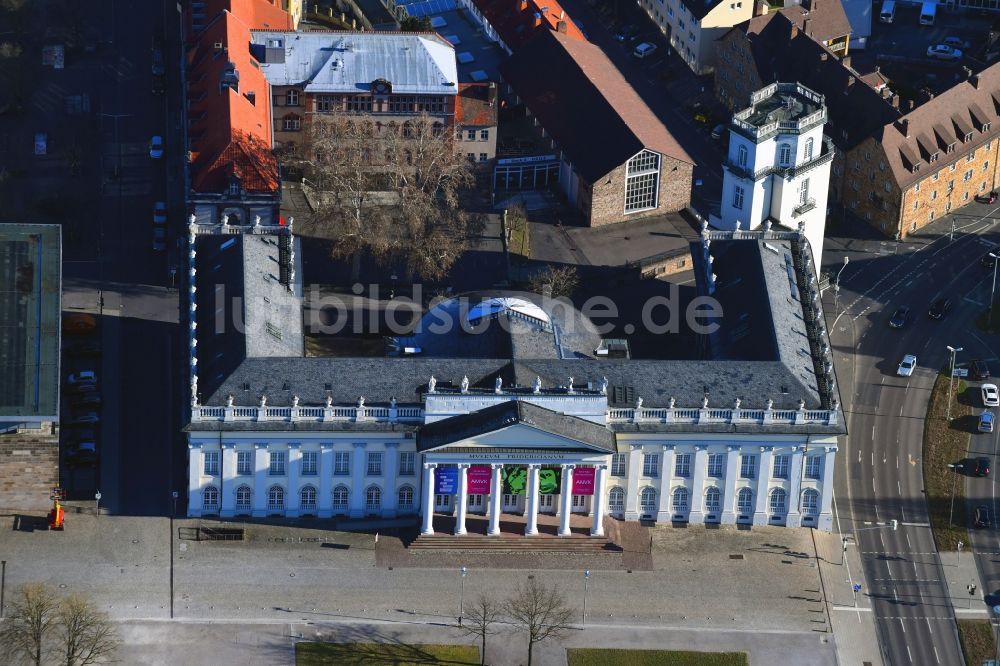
(899,317)
(988,198)
(158,67)
(978,369)
(86,400)
(627,33)
(982,517)
(157,84)
(981,467)
(940,308)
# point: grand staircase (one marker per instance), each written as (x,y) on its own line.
(515,543)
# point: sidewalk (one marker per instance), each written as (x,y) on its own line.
(960,572)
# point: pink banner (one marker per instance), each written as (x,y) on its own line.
(583,480)
(479,479)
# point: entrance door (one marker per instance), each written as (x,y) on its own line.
(546,503)
(442,503)
(512,503)
(580,503)
(477,504)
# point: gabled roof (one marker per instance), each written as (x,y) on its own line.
(256,14)
(585,104)
(476,105)
(518,21)
(512,413)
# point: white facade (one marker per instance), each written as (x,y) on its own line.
(695,40)
(778,170)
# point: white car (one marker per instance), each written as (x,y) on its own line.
(907,366)
(943,52)
(160,212)
(156,147)
(991,397)
(644,50)
(85,377)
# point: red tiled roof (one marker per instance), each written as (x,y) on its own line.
(517,21)
(475,105)
(257,14)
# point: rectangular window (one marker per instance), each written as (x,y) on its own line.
(484,135)
(967,176)
(748,466)
(780,467)
(406,463)
(309,462)
(738,197)
(916,188)
(804,191)
(682,465)
(741,156)
(277,465)
(986,166)
(244,462)
(342,463)
(325,102)
(483,157)
(971,156)
(211,462)
(618,464)
(933,195)
(814,465)
(716,464)
(651,464)
(292,98)
(470,135)
(374,463)
(292,124)
(359,104)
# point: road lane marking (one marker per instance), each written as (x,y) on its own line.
(908,545)
(908,652)
(915,524)
(902,625)
(899,487)
(897,462)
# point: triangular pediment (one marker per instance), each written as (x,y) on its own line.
(520,436)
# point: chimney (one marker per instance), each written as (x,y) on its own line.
(904,127)
(823,56)
(806,26)
(562,14)
(850,83)
(794,32)
(895,101)
(561,26)
(761,8)
(975,81)
(538,19)
(909,105)
(522,5)
(846,61)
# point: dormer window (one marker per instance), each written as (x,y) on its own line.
(986,127)
(933,158)
(916,168)
(968,137)
(235,187)
(951,148)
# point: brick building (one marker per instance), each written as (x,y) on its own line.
(616,161)
(514,23)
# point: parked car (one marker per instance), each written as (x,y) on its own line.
(986,421)
(86,400)
(981,518)
(644,50)
(85,387)
(940,308)
(988,198)
(41,143)
(956,42)
(158,85)
(991,397)
(981,467)
(699,113)
(943,52)
(84,377)
(158,67)
(899,317)
(627,32)
(86,417)
(83,454)
(160,212)
(978,370)
(159,239)
(907,366)
(718,131)
(156,147)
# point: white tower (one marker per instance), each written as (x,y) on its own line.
(778,166)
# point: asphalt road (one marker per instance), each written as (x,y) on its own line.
(879,476)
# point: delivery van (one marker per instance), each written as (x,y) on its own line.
(888,13)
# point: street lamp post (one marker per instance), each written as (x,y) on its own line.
(836,288)
(586,579)
(951,379)
(174,496)
(958,560)
(97,501)
(461,599)
(955,467)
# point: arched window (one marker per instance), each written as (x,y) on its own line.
(744,501)
(275,498)
(642,181)
(784,154)
(807,154)
(647,500)
(244,499)
(373,498)
(713,500)
(341,496)
(406,497)
(210,498)
(616,499)
(679,500)
(810,502)
(307,498)
(778,501)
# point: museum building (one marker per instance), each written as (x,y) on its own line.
(518,407)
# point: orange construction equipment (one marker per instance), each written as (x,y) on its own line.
(57,516)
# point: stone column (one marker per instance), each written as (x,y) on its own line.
(427,506)
(699,468)
(794,517)
(390,497)
(729,496)
(196,464)
(260,469)
(600,500)
(359,464)
(760,515)
(227,489)
(632,470)
(324,503)
(292,492)
(462,508)
(825,521)
(531,513)
(496,496)
(566,500)
(663,512)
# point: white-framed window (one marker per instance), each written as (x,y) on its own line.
(777,501)
(579,501)
(804,191)
(814,466)
(374,463)
(484,135)
(475,501)
(741,156)
(341,496)
(341,463)
(933,195)
(307,498)
(810,502)
(647,500)
(291,98)
(275,498)
(642,181)
(737,197)
(679,499)
(784,154)
(618,464)
(781,466)
(713,500)
(651,464)
(277,463)
(716,465)
(309,462)
(291,123)
(244,499)
(807,152)
(546,501)
(444,501)
(406,463)
(211,462)
(244,462)
(373,498)
(483,157)
(748,466)
(210,498)
(406,498)
(967,176)
(616,500)
(682,465)
(744,501)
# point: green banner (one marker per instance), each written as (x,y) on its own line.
(548,480)
(515,480)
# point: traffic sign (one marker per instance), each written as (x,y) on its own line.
(857,587)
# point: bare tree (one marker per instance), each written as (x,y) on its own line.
(24,632)
(480,621)
(555,282)
(541,611)
(518,239)
(86,635)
